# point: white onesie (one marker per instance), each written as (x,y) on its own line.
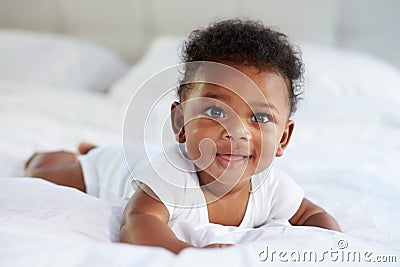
(106,174)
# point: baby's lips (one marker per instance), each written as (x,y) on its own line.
(232,156)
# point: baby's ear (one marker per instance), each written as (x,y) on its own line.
(177,122)
(284,142)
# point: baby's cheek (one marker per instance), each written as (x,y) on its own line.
(200,146)
(267,150)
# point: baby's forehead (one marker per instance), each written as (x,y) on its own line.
(248,83)
(257,90)
(249,95)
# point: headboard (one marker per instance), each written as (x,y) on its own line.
(128,26)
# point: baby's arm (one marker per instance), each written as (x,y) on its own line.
(145,223)
(310,214)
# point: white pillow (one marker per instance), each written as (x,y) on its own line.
(164,52)
(329,72)
(48,60)
(347,74)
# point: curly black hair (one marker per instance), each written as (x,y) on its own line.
(246,42)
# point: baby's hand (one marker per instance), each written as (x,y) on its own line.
(218,246)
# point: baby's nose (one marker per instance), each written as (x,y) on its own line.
(236,129)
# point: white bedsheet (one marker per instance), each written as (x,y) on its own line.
(345,153)
(43,224)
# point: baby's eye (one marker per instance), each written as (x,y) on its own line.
(261,118)
(215,112)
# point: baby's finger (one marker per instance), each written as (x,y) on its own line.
(218,246)
(226,245)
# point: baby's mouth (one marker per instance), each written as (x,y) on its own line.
(232,160)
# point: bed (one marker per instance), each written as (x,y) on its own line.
(345,154)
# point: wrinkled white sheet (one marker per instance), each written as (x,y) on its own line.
(44,225)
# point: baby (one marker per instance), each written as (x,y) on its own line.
(239,90)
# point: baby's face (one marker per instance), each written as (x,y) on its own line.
(233,134)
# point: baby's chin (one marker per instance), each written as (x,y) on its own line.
(226,181)
(228,176)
